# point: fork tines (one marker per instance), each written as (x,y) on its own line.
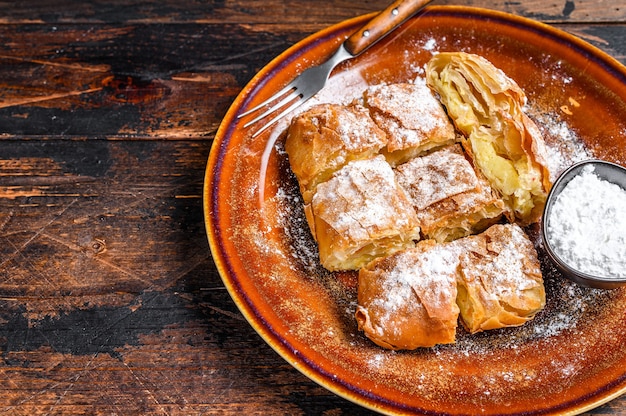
(288,94)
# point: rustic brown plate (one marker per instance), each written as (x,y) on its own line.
(569,359)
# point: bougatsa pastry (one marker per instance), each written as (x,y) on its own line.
(325,137)
(415,297)
(408,300)
(505,144)
(500,281)
(451,199)
(361,213)
(437,176)
(412,117)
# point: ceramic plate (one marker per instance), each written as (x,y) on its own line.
(569,359)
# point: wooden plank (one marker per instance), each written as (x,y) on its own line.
(106,83)
(287,12)
(149,81)
(82,227)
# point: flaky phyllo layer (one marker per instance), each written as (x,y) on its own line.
(415,297)
(486,106)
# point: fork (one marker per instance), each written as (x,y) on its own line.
(308,83)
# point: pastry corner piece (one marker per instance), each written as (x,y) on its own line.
(451,199)
(412,117)
(487,107)
(361,213)
(322,139)
(415,297)
(408,300)
(500,281)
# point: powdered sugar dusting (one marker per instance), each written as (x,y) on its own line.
(428,274)
(587,227)
(430,44)
(436,176)
(409,113)
(355,128)
(510,267)
(563,145)
(362,198)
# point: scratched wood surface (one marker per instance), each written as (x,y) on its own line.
(109,300)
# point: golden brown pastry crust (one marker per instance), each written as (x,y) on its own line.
(437,176)
(412,117)
(505,144)
(361,213)
(451,199)
(500,281)
(322,139)
(414,297)
(408,300)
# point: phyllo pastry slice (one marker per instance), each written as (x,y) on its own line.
(451,199)
(487,107)
(322,139)
(412,117)
(500,281)
(361,213)
(408,300)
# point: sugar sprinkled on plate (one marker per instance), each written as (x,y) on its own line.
(563,145)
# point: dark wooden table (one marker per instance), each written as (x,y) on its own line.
(109,300)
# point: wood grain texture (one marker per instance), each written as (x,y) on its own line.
(280,11)
(109,300)
(118,82)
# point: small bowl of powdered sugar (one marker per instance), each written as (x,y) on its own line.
(584,224)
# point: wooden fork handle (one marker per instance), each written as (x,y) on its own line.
(382,24)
